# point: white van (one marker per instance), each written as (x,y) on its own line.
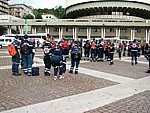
(5,41)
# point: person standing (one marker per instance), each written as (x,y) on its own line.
(47,56)
(16,58)
(112,50)
(26,50)
(147,55)
(87,47)
(75,58)
(134,51)
(120,51)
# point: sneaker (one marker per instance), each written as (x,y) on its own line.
(29,74)
(61,77)
(70,71)
(46,73)
(55,78)
(76,72)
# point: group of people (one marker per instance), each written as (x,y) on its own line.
(55,54)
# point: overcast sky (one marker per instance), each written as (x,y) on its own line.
(41,3)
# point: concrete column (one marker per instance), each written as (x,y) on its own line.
(22,29)
(48,30)
(75,33)
(131,34)
(8,30)
(35,30)
(32,29)
(59,33)
(102,32)
(119,33)
(116,32)
(146,36)
(88,33)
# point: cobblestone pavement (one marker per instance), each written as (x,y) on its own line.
(138,103)
(5,61)
(120,68)
(23,90)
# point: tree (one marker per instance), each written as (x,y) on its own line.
(28,16)
(58,11)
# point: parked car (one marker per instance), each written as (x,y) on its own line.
(5,41)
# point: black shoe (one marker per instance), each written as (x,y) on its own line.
(76,72)
(136,63)
(147,71)
(17,74)
(13,73)
(46,74)
(70,71)
(132,64)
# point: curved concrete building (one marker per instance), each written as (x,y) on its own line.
(122,9)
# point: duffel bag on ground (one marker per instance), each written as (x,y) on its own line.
(35,71)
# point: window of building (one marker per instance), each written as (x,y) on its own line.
(124,30)
(69,29)
(56,29)
(82,29)
(137,30)
(46,16)
(109,29)
(96,29)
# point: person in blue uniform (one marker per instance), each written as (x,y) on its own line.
(75,58)
(16,58)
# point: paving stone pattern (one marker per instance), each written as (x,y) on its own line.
(120,68)
(22,91)
(138,103)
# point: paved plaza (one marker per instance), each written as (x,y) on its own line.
(98,88)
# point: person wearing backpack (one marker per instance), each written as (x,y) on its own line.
(75,58)
(57,62)
(16,57)
(26,50)
(47,47)
(87,47)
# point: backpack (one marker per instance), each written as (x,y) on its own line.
(87,46)
(25,49)
(56,58)
(76,52)
(12,50)
(35,71)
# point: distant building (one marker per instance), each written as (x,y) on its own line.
(4,7)
(20,10)
(49,16)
